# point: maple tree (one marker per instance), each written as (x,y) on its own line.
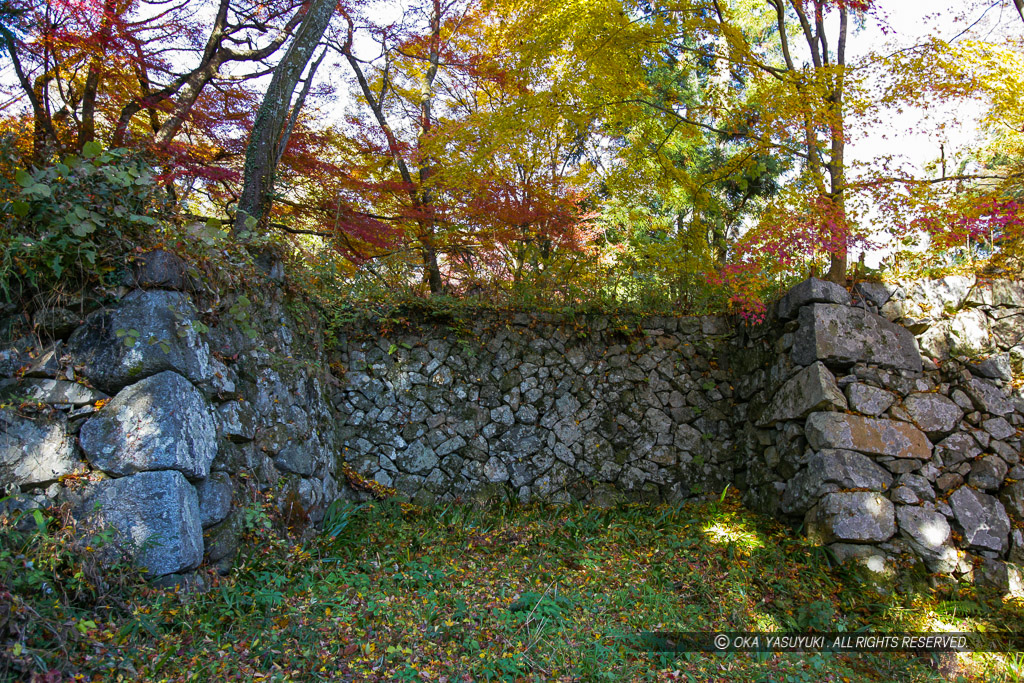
(629,147)
(454,149)
(89,69)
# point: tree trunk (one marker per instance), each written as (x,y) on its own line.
(44,136)
(433,272)
(261,154)
(87,131)
(838,261)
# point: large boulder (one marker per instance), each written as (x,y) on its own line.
(812,389)
(811,290)
(34,452)
(830,471)
(982,518)
(852,517)
(155,516)
(160,423)
(840,335)
(866,435)
(149,332)
(934,414)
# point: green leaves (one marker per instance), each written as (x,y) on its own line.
(76,220)
(32,185)
(129,337)
(92,149)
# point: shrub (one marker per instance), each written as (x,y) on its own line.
(72,222)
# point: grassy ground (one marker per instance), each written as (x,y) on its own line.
(467,594)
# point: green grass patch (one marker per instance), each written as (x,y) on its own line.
(503,593)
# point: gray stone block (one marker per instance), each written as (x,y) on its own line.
(160,423)
(840,335)
(852,517)
(149,332)
(866,435)
(155,516)
(811,290)
(34,452)
(812,389)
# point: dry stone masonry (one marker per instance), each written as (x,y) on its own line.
(543,410)
(922,458)
(884,423)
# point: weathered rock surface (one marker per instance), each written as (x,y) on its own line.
(967,333)
(852,517)
(998,428)
(830,471)
(982,519)
(811,290)
(149,332)
(214,494)
(996,366)
(840,335)
(877,293)
(988,473)
(942,295)
(49,391)
(160,423)
(155,516)
(934,414)
(928,533)
(160,269)
(812,389)
(866,435)
(1013,499)
(988,397)
(237,421)
(868,400)
(34,451)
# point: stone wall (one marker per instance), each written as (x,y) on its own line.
(886,453)
(162,414)
(540,408)
(890,442)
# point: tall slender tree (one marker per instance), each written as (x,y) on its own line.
(270,130)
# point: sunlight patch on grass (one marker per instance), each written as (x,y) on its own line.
(724,532)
